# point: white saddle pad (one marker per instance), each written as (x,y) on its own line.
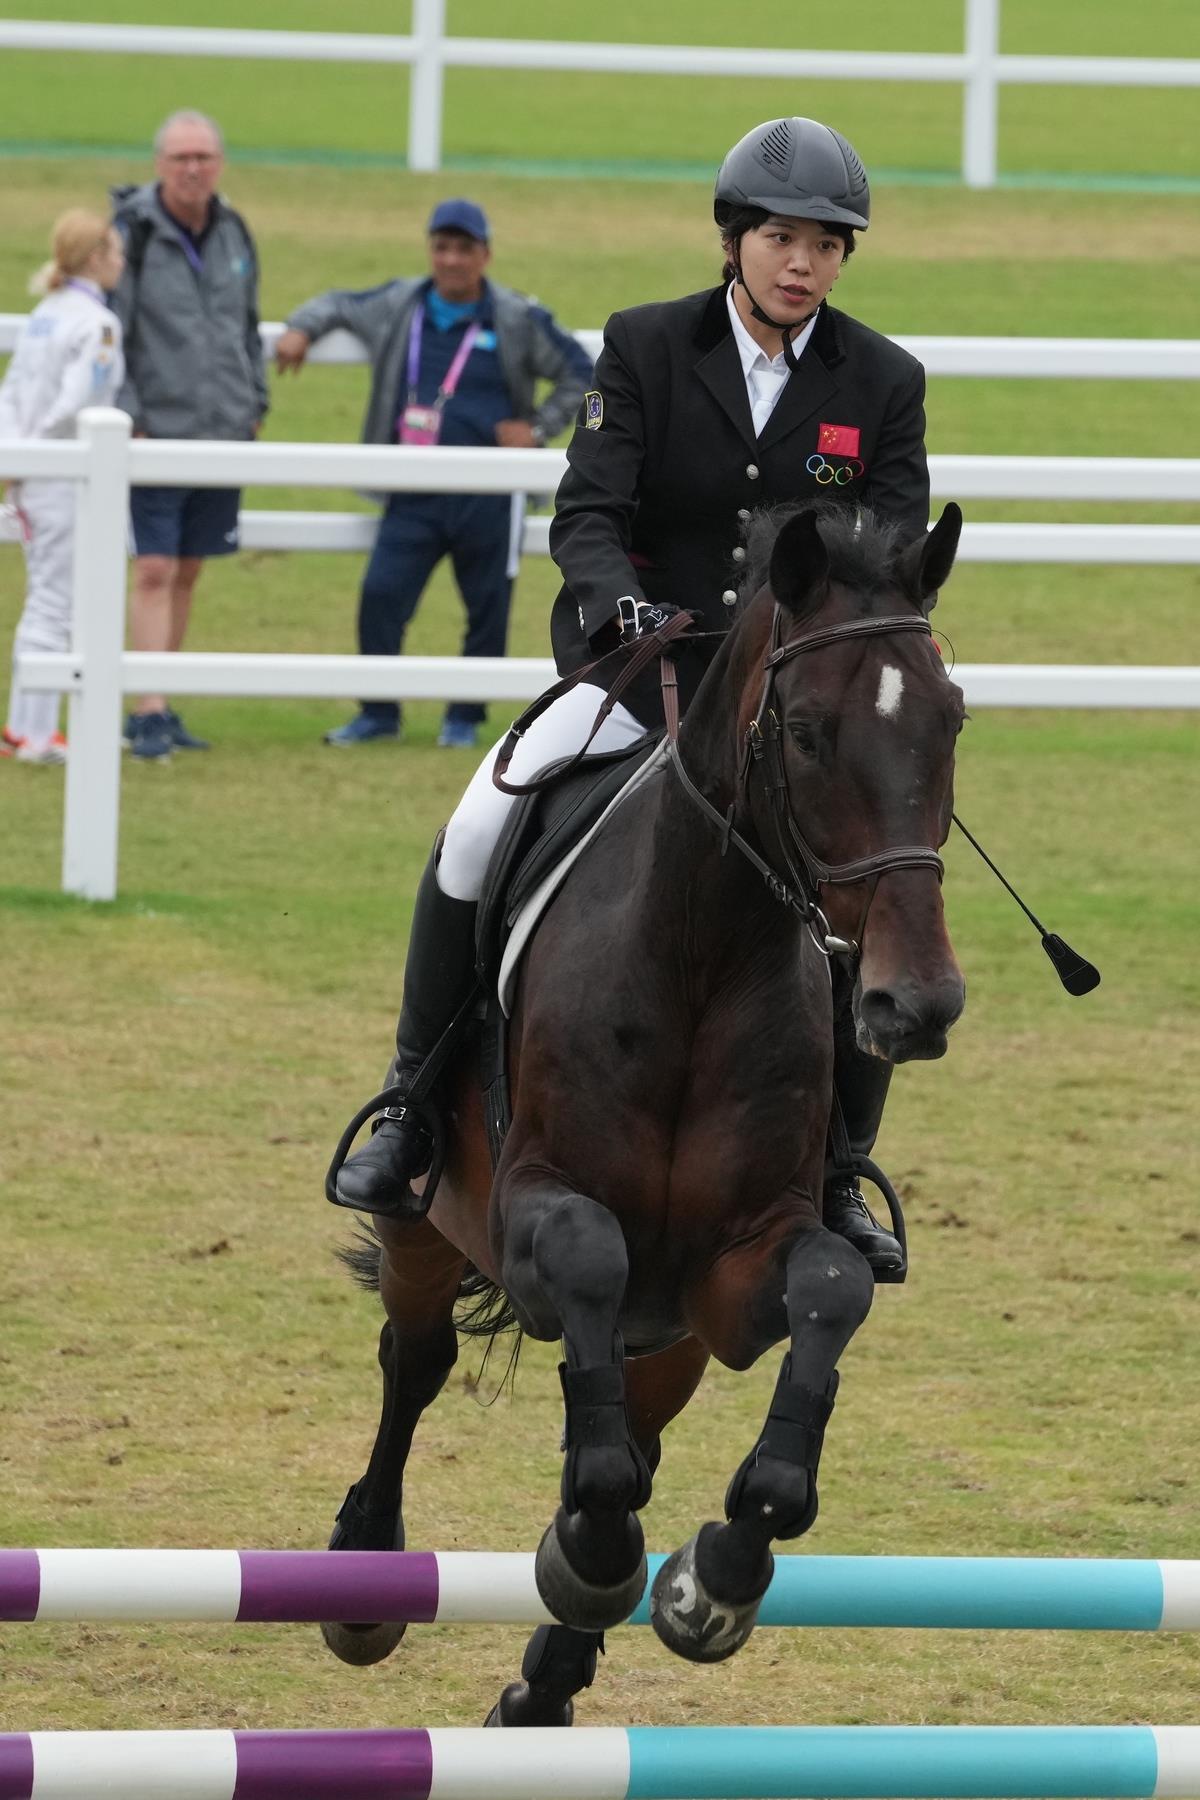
(539,900)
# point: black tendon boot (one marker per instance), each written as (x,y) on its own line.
(438,978)
(861,1085)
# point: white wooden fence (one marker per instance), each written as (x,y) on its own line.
(98,671)
(1146,359)
(978,69)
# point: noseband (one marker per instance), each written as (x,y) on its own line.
(804,872)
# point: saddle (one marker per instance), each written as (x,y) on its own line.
(546,832)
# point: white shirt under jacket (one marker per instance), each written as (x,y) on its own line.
(766,376)
(68,356)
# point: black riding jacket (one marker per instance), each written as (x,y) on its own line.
(665,468)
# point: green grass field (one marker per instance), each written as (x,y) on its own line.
(182,1363)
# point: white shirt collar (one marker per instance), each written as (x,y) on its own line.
(752,354)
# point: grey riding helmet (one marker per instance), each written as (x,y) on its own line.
(799,169)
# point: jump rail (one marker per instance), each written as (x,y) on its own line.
(486,1587)
(766,1762)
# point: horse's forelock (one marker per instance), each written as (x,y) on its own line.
(862,548)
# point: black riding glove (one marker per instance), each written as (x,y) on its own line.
(640,617)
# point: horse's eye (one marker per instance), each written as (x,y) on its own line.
(803,736)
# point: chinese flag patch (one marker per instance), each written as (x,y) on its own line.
(838,440)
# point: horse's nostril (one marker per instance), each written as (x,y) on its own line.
(879,1008)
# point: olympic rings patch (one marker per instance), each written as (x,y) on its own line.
(825,472)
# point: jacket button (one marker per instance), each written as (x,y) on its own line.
(729,597)
(739,555)
(744,514)
(752,471)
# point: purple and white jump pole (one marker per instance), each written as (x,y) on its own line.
(481,1587)
(777,1762)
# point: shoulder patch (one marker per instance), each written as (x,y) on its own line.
(591,413)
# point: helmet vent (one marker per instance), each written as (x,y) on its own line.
(854,168)
(776,148)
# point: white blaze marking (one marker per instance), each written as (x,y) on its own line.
(891,688)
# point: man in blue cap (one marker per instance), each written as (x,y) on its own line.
(456,359)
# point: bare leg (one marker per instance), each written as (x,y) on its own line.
(706,1597)
(159,609)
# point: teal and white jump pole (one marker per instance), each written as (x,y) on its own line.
(481,1587)
(778,1762)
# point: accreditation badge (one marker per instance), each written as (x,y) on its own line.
(420,425)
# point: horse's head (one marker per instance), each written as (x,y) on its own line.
(850,776)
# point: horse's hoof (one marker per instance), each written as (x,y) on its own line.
(361,1645)
(689,1620)
(576,1602)
(517,1705)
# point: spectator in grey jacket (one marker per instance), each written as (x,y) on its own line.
(456,359)
(188,302)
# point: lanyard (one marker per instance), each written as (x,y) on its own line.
(453,373)
(81,287)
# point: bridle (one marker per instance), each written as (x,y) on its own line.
(797,882)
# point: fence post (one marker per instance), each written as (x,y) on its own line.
(97,644)
(425,85)
(981,32)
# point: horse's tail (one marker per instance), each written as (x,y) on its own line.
(362,1258)
(483,1310)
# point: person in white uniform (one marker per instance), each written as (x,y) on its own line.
(68,356)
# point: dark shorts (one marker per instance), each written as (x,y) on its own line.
(175,521)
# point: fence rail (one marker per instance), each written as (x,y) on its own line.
(97,670)
(1092,359)
(979,68)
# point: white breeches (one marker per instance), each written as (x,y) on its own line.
(479,818)
(48,508)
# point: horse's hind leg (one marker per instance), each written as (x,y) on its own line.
(419,1275)
(560,1662)
(565,1270)
(706,1596)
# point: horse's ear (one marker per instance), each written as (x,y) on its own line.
(799,563)
(925,566)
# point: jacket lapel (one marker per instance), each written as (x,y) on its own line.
(720,367)
(811,384)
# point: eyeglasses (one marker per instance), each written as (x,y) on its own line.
(193,156)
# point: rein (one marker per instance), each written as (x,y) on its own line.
(800,891)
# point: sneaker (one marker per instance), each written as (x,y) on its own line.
(10,743)
(363,728)
(52,752)
(150,737)
(458,734)
(181,737)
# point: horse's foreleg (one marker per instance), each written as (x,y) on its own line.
(706,1596)
(560,1662)
(419,1275)
(565,1270)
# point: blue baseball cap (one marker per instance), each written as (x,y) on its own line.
(460,215)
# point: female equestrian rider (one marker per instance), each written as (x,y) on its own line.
(703,409)
(68,356)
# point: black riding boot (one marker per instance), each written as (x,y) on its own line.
(861,1084)
(438,977)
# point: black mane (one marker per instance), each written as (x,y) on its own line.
(862,548)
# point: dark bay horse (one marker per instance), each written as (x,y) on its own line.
(658,1198)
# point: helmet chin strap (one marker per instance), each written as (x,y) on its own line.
(764,318)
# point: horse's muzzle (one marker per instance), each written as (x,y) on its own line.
(909,1022)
